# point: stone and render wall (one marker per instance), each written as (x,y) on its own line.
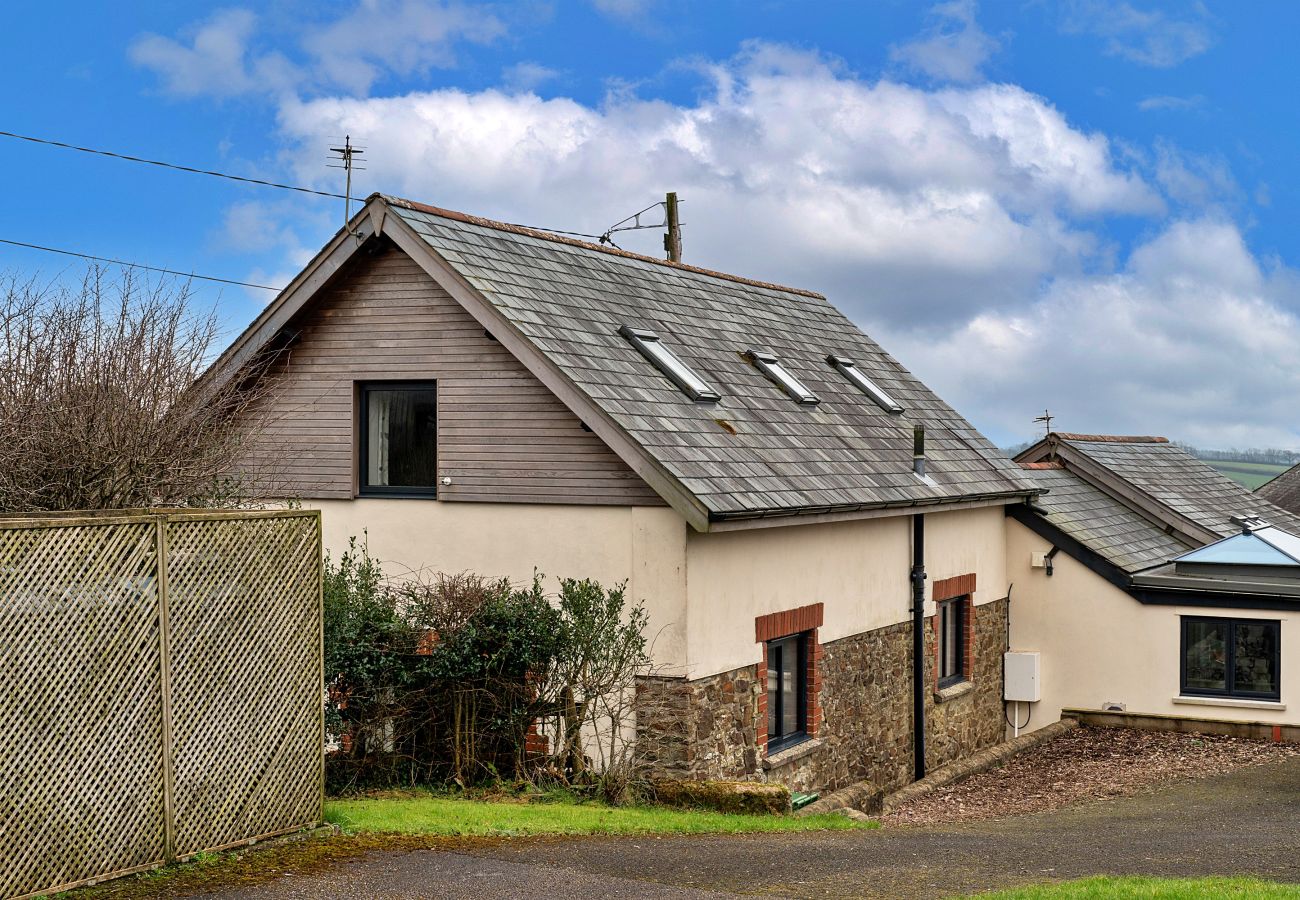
(715,727)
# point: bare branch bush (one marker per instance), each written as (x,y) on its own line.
(98,406)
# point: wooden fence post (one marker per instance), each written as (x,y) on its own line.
(165,685)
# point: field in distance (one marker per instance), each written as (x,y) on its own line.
(1251,474)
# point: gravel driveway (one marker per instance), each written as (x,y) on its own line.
(1244,822)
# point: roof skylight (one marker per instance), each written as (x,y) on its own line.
(667,362)
(850,371)
(770,366)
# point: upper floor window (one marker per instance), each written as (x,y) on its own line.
(399,438)
(1231,657)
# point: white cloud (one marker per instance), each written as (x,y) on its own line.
(257,227)
(953,46)
(523,77)
(1148,36)
(402,37)
(1191,179)
(1191,339)
(1168,103)
(951,201)
(216,61)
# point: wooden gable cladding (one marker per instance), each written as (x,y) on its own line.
(502,435)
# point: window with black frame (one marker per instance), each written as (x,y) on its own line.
(787,691)
(399,439)
(1231,658)
(952,641)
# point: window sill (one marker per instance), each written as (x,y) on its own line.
(793,753)
(395,495)
(1233,702)
(953,691)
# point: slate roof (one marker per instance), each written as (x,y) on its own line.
(1101,523)
(1129,498)
(767,455)
(1181,482)
(1284,490)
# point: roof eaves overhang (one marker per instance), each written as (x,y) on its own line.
(676,495)
(1077,550)
(1222,577)
(1174,590)
(808,515)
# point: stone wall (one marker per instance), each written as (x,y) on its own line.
(708,728)
(967,719)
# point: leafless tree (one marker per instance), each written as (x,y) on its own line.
(97,402)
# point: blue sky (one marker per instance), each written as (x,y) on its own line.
(1080,205)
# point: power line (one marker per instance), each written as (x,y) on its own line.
(120,262)
(167,165)
(258,181)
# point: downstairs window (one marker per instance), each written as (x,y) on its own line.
(952,641)
(787,691)
(1238,658)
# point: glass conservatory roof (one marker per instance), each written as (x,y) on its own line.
(1265,546)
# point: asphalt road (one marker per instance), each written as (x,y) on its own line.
(1243,823)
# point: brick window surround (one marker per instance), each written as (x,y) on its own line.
(783,624)
(963,587)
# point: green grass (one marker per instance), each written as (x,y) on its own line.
(1252,475)
(1104,888)
(447,816)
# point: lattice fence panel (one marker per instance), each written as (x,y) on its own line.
(81,761)
(244,602)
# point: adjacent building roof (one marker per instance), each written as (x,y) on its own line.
(1140,502)
(1284,490)
(559,304)
(1167,483)
(1102,523)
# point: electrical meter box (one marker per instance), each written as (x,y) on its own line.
(1023,676)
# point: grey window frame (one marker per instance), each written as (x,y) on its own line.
(670,364)
(800,641)
(364,488)
(1229,659)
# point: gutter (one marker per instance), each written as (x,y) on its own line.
(790,511)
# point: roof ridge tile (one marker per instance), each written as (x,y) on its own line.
(455,215)
(1111,438)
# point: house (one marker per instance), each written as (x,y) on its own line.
(798,512)
(1150,583)
(1283,490)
